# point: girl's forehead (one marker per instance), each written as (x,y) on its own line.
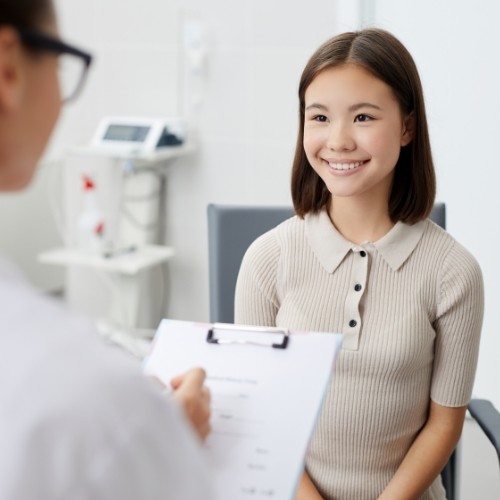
(349,79)
(347,72)
(349,83)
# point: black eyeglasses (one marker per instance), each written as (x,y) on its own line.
(73,63)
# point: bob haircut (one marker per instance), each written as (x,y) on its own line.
(377,51)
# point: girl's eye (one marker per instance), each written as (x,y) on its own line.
(320,118)
(362,118)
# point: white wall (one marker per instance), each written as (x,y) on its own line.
(247,124)
(27,227)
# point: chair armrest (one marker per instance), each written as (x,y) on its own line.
(488,418)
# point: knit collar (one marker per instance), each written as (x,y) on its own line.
(330,247)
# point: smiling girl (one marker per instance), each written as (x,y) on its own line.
(361,258)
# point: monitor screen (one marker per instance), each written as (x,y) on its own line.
(129,133)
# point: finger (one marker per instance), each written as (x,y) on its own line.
(192,379)
(206,432)
(206,395)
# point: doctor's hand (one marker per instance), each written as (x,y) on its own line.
(194,397)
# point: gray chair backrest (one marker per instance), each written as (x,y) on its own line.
(231,230)
(438,214)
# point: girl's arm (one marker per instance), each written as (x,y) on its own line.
(256,301)
(459,315)
(306,489)
(428,455)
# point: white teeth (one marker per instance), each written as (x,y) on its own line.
(344,166)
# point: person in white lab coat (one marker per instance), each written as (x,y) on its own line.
(78,420)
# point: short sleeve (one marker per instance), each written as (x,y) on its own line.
(256,301)
(458,328)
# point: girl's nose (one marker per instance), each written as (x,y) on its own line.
(339,138)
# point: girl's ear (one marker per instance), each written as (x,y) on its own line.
(408,129)
(11,69)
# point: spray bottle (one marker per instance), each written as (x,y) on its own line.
(90,222)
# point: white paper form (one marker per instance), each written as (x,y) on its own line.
(265,402)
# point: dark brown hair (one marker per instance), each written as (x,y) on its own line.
(29,14)
(414,184)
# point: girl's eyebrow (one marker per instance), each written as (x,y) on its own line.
(316,106)
(354,107)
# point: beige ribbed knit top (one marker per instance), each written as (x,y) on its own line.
(410,307)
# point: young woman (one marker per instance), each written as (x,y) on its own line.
(361,258)
(77,418)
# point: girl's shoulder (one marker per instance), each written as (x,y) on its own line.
(437,235)
(280,235)
(447,251)
(268,246)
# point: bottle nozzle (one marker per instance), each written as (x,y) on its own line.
(88,183)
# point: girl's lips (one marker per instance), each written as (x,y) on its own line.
(344,165)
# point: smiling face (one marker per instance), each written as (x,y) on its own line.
(353,132)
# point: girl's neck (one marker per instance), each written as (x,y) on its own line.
(359,221)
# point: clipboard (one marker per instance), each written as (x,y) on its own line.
(267,387)
(236,331)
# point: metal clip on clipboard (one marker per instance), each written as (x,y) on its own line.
(211,339)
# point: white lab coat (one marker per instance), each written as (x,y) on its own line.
(77,418)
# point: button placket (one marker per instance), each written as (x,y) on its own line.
(359,276)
